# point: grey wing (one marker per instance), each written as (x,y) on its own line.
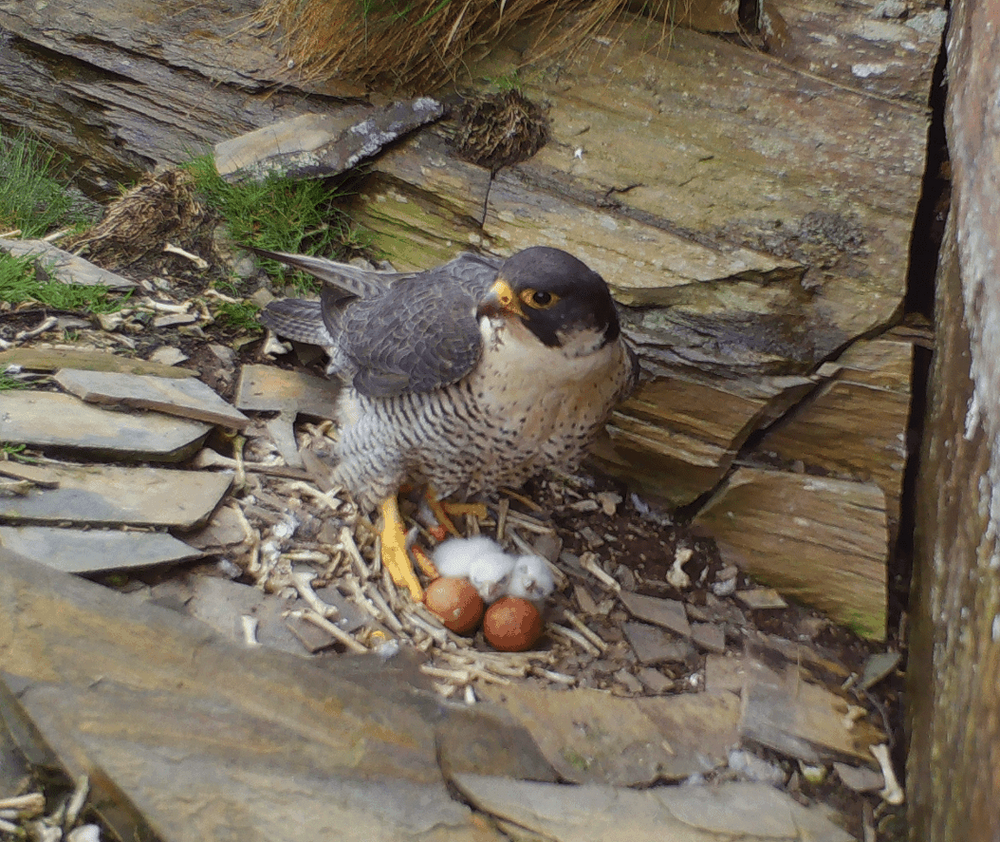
(422,334)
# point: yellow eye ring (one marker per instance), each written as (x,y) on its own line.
(538,299)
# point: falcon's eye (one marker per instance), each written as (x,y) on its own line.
(538,299)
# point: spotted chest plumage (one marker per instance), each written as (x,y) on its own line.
(523,409)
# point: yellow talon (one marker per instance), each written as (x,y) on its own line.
(394,555)
(444,510)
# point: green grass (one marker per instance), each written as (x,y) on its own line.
(18,283)
(280,214)
(239,315)
(33,197)
(7,382)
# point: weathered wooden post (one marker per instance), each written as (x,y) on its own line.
(954,672)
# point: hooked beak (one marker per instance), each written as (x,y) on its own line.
(500,301)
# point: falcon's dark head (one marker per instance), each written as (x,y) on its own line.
(557,297)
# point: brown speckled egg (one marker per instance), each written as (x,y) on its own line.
(456,602)
(512,624)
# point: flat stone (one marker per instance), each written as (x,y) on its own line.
(725,672)
(93,550)
(63,266)
(175,319)
(653,645)
(52,359)
(655,681)
(594,813)
(878,667)
(211,740)
(859,778)
(165,355)
(222,604)
(351,616)
(668,613)
(223,530)
(106,494)
(805,721)
(313,145)
(710,636)
(48,419)
(267,388)
(282,430)
(188,398)
(591,736)
(311,636)
(761,598)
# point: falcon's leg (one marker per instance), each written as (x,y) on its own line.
(443,510)
(394,555)
(437,509)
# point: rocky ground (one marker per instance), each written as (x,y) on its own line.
(659,666)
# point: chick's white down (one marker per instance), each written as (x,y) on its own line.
(531,578)
(480,560)
(454,556)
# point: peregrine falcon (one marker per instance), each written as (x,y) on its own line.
(464,378)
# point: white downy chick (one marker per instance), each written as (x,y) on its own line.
(531,579)
(490,574)
(454,557)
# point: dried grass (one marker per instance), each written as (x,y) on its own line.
(419,44)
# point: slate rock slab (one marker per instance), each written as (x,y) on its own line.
(668,613)
(750,812)
(47,419)
(209,740)
(189,398)
(93,550)
(590,736)
(267,388)
(317,145)
(806,721)
(63,266)
(52,359)
(222,604)
(106,494)
(653,645)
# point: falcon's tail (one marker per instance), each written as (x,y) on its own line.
(296,319)
(350,280)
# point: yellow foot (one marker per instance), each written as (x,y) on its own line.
(477,509)
(444,510)
(394,555)
(424,563)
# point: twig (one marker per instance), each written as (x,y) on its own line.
(333,630)
(581,627)
(576,637)
(199,262)
(588,561)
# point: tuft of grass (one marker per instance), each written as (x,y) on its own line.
(239,315)
(279,214)
(18,283)
(33,197)
(7,382)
